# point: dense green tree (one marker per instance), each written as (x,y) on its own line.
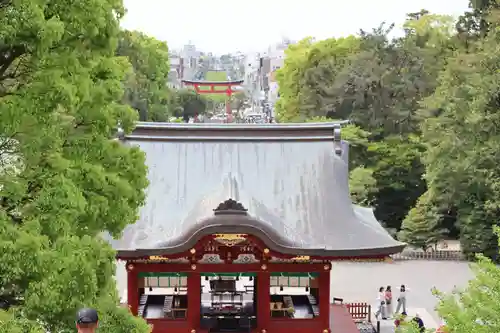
(186,103)
(305,81)
(421,226)
(146,83)
(362,186)
(12,322)
(462,158)
(64,180)
(378,83)
(398,170)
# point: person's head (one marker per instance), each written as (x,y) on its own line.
(403,288)
(381,289)
(388,288)
(87,320)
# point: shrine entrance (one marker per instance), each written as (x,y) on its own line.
(217,87)
(228,302)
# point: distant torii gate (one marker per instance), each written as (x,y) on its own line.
(228,85)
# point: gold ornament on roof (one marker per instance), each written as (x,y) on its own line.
(157,258)
(301,258)
(230,240)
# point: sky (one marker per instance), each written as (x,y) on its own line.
(223,26)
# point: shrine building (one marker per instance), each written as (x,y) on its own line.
(240,227)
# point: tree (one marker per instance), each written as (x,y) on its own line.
(397,169)
(66,179)
(461,159)
(306,78)
(12,322)
(421,226)
(145,84)
(238,101)
(362,186)
(187,104)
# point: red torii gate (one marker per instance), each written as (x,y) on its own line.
(228,91)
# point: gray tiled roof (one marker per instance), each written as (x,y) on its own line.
(297,188)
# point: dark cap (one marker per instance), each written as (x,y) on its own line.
(87,316)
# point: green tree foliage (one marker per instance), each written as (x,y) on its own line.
(64,179)
(13,322)
(421,226)
(398,171)
(145,83)
(362,186)
(377,83)
(462,155)
(428,102)
(186,103)
(305,79)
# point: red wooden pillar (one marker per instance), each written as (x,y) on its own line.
(263,300)
(132,288)
(194,299)
(324,298)
(229,112)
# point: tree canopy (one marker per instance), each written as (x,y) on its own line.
(427,104)
(64,179)
(146,82)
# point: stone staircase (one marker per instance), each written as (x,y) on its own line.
(314,305)
(167,305)
(288,303)
(142,305)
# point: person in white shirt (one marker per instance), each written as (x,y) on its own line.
(402,300)
(380,304)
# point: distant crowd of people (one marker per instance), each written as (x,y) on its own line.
(385,307)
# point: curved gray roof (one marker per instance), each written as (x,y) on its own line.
(293,180)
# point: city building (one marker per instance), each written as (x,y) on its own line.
(176,73)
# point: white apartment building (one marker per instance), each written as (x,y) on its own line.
(252,78)
(276,54)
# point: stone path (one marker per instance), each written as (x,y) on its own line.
(359,282)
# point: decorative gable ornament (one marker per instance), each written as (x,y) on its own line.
(230,206)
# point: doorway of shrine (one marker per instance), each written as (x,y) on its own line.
(228,302)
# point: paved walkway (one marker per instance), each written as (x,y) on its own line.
(359,282)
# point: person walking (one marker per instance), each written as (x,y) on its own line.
(388,302)
(87,320)
(402,300)
(381,304)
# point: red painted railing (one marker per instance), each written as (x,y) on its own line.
(360,311)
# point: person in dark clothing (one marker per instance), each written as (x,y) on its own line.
(87,320)
(420,323)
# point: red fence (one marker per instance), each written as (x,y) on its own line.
(360,311)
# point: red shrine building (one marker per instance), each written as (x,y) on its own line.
(240,227)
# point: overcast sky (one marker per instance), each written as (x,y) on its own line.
(222,26)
